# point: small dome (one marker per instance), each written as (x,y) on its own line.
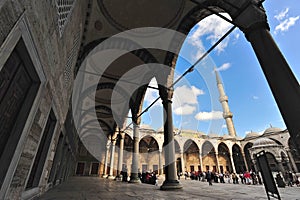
(161,129)
(227,137)
(263,142)
(272,130)
(252,134)
(238,138)
(213,135)
(145,126)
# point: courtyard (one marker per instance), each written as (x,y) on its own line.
(98,188)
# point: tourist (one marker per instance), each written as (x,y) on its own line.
(209,177)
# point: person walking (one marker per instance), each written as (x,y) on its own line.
(208,177)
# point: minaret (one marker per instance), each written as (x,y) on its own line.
(224,101)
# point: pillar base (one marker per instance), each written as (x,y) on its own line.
(111,177)
(134,180)
(104,175)
(171,185)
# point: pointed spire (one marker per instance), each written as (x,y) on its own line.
(217,76)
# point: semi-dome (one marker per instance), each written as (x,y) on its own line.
(272,130)
(260,142)
(252,134)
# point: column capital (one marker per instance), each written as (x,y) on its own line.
(251,17)
(121,134)
(166,94)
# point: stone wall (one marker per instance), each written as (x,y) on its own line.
(57,54)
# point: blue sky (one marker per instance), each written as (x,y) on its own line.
(195,103)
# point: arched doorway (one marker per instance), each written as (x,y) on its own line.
(273,163)
(238,159)
(294,154)
(209,159)
(149,154)
(249,161)
(191,151)
(224,158)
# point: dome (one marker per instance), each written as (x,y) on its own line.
(272,130)
(252,134)
(238,138)
(227,137)
(213,135)
(263,142)
(161,129)
(145,126)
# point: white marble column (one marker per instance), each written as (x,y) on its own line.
(232,163)
(104,175)
(134,178)
(182,161)
(160,171)
(120,156)
(112,158)
(218,164)
(201,162)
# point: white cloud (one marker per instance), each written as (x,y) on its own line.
(185,110)
(282,14)
(224,126)
(211,28)
(206,116)
(185,99)
(186,95)
(152,94)
(286,24)
(255,97)
(224,67)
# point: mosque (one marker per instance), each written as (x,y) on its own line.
(197,151)
(71,71)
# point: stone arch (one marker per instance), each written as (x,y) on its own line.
(273,163)
(128,150)
(225,164)
(285,161)
(149,153)
(238,159)
(294,154)
(177,147)
(191,152)
(209,160)
(248,157)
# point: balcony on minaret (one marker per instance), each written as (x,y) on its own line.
(227,115)
(223,98)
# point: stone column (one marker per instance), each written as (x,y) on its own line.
(121,150)
(171,181)
(292,161)
(182,161)
(218,164)
(112,158)
(232,163)
(104,175)
(160,162)
(134,178)
(245,161)
(253,22)
(201,162)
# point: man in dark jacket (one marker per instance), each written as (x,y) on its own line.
(208,177)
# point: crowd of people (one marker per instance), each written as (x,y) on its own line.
(235,178)
(248,177)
